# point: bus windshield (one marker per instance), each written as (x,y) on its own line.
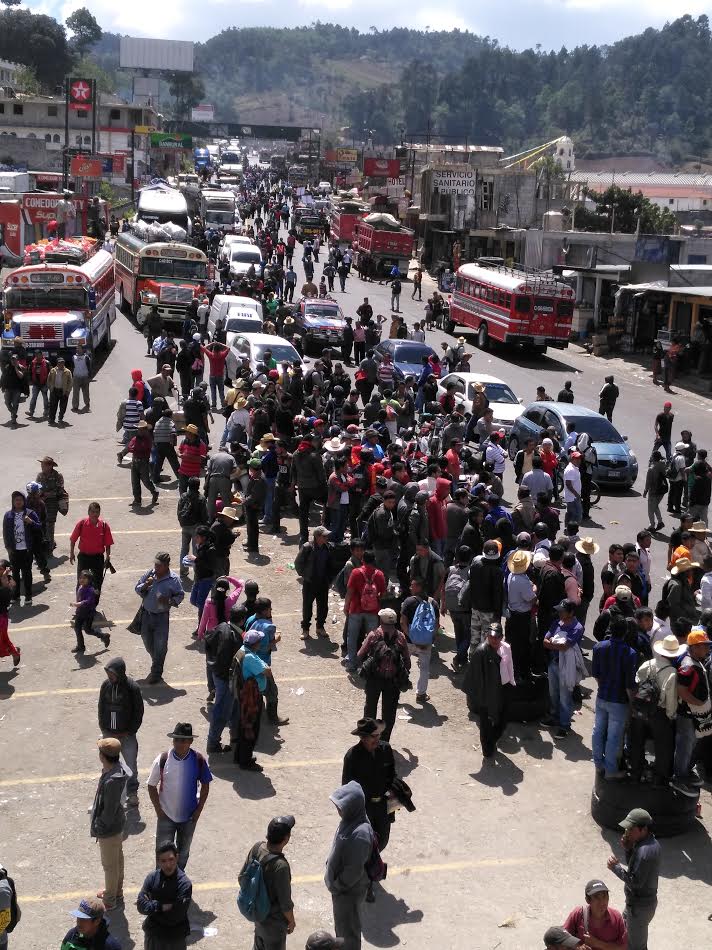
(219,217)
(166,267)
(46,298)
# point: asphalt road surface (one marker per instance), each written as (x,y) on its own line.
(493,855)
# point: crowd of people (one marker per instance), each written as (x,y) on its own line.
(401,508)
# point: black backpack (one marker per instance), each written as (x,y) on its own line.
(646,700)
(15,912)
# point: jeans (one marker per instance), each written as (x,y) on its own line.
(217,385)
(12,401)
(685,740)
(699,512)
(490,732)
(129,750)
(21,564)
(608,730)
(154,633)
(270,935)
(654,516)
(675,496)
(305,502)
(140,473)
(179,832)
(339,520)
(222,712)
(57,401)
(111,850)
(637,920)
(269,499)
(36,391)
(347,916)
(389,694)
(156,941)
(519,635)
(80,385)
(357,624)
(461,621)
(574,511)
(386,560)
(561,699)
(395,302)
(312,591)
(422,655)
(186,546)
(165,450)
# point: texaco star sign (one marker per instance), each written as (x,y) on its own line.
(80,91)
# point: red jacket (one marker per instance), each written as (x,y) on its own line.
(39,371)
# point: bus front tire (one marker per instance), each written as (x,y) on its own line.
(483,337)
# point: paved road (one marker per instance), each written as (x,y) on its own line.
(504,849)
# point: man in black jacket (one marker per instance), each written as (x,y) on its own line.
(120,717)
(309,477)
(221,645)
(164,900)
(192,511)
(315,565)
(254,505)
(383,534)
(486,593)
(485,690)
(107,821)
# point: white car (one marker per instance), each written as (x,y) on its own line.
(230,241)
(254,346)
(242,258)
(505,405)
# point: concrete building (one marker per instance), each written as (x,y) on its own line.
(9,74)
(679,192)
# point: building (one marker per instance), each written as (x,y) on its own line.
(32,130)
(682,193)
(9,75)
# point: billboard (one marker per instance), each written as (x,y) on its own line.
(204,112)
(381,167)
(455,180)
(86,167)
(346,156)
(137,52)
(171,140)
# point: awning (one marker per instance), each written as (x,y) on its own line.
(661,288)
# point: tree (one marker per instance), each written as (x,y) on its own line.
(37,41)
(86,31)
(11,3)
(187,91)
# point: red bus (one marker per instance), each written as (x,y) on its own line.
(507,305)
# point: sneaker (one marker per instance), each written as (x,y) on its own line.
(132,800)
(305,635)
(561,733)
(78,649)
(252,767)
(28,601)
(321,632)
(694,780)
(105,639)
(683,788)
(154,498)
(547,721)
(119,458)
(422,698)
(16,658)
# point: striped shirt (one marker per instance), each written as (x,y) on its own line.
(164,430)
(386,374)
(614,665)
(133,413)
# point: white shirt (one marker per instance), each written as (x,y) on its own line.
(178,789)
(659,630)
(81,366)
(573,475)
(418,336)
(19,527)
(496,455)
(706,591)
(644,555)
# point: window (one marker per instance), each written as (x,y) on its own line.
(55,138)
(566,308)
(87,140)
(82,113)
(78,140)
(522,304)
(704,201)
(671,201)
(534,415)
(2,108)
(52,111)
(48,137)
(487,194)
(115,114)
(18,109)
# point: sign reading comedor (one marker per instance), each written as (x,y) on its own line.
(458,180)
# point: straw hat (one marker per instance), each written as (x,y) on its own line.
(191,429)
(518,562)
(670,646)
(229,513)
(587,546)
(699,527)
(681,565)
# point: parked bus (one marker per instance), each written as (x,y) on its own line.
(54,306)
(511,305)
(166,275)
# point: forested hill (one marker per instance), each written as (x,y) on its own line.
(651,92)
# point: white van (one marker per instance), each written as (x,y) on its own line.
(238,314)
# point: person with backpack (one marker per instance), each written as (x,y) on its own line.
(656,487)
(192,511)
(316,566)
(614,666)
(597,920)
(120,714)
(364,590)
(420,619)
(173,784)
(456,602)
(385,665)
(9,909)
(164,900)
(653,710)
(265,895)
(346,877)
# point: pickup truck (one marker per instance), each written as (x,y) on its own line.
(320,322)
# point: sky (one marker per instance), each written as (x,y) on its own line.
(551,23)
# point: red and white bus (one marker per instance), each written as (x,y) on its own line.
(507,305)
(54,306)
(163,274)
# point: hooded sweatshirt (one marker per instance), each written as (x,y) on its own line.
(436,509)
(137,381)
(120,703)
(352,845)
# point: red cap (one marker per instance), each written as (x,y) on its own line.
(575,455)
(667,405)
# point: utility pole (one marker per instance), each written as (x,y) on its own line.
(65,163)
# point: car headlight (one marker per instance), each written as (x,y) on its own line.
(632,456)
(148,298)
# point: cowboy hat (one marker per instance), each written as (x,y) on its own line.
(682,564)
(192,430)
(368,727)
(334,445)
(587,546)
(183,730)
(670,646)
(229,513)
(699,527)
(47,460)
(143,424)
(241,403)
(518,561)
(267,437)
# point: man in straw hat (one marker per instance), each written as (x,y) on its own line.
(693,711)
(678,593)
(655,709)
(178,786)
(108,819)
(521,597)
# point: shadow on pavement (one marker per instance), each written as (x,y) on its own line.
(500,772)
(379,920)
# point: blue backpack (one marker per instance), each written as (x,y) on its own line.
(253,901)
(423,625)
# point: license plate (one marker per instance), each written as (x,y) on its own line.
(615,474)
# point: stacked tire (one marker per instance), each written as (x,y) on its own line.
(673,813)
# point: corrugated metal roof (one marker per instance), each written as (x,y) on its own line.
(641,179)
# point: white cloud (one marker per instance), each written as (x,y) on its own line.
(439,18)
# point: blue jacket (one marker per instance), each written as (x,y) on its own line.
(33,532)
(157,890)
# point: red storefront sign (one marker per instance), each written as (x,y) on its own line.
(381,167)
(41,207)
(86,167)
